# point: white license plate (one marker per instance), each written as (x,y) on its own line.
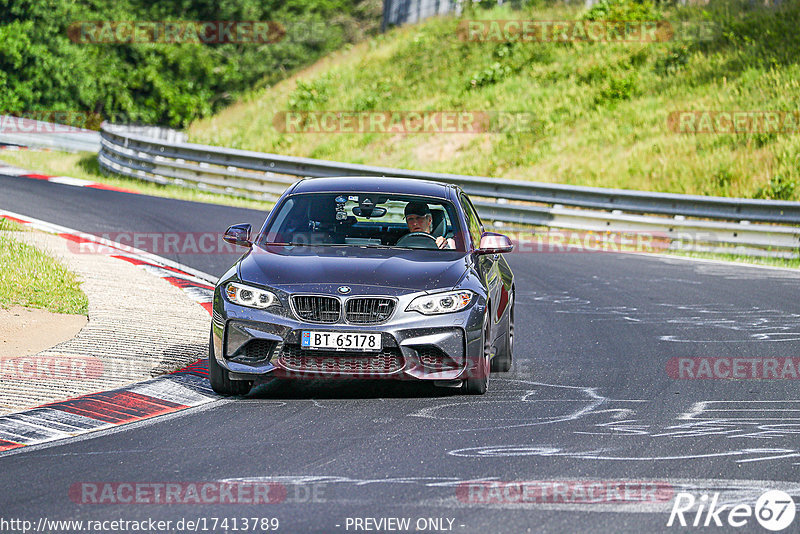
(340,341)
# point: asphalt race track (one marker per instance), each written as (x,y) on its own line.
(589,400)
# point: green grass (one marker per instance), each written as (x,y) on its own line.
(738,258)
(33,279)
(7,225)
(84,165)
(602,109)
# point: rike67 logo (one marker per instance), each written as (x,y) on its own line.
(774,511)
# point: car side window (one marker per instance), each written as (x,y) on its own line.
(473,221)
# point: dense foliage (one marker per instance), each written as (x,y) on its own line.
(42,69)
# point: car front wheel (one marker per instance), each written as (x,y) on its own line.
(478,384)
(502,360)
(220,378)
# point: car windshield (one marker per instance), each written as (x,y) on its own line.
(365,220)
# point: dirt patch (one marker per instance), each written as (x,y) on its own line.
(443,147)
(25,331)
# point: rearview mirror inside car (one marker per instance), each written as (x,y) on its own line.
(368,212)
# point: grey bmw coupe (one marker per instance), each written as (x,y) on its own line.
(358,277)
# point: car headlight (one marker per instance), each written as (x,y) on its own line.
(451,301)
(250,296)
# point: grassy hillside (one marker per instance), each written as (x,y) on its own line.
(601,109)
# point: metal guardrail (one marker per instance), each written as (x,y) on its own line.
(708,220)
(16,131)
(397,12)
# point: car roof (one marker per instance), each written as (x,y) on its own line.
(374,184)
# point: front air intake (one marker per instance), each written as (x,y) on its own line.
(317,309)
(369,310)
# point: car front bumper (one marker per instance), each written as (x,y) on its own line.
(252,343)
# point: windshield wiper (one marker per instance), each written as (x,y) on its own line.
(291,244)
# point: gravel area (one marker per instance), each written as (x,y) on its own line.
(139,326)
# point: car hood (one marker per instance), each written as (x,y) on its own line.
(317,268)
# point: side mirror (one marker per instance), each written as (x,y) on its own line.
(238,234)
(492,243)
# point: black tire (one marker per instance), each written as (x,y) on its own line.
(478,384)
(505,355)
(220,379)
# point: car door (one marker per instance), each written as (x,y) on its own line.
(487,264)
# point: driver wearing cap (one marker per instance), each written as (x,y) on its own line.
(419,219)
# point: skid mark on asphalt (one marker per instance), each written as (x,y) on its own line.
(611,427)
(506,451)
(454,492)
(559,297)
(753,419)
(619,425)
(766,410)
(537,404)
(692,322)
(736,272)
(762,420)
(752,324)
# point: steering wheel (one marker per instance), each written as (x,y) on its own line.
(417,240)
